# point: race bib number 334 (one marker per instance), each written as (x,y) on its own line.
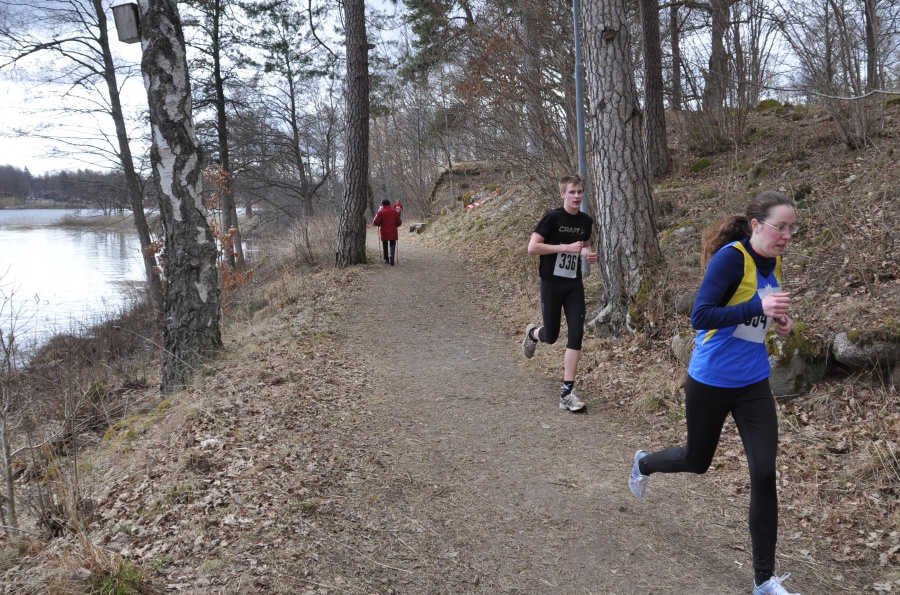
(566,265)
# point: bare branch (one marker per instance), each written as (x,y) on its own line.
(315,35)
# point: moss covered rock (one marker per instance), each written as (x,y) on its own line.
(868,348)
(795,362)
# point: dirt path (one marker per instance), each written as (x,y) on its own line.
(519,496)
(383,434)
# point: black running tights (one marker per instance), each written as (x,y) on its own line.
(558,297)
(753,410)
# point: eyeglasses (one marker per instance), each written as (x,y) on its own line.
(794,229)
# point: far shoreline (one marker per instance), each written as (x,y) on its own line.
(72,215)
(15,203)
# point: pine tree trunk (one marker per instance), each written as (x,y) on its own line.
(234,257)
(352,230)
(674,36)
(655,123)
(717,75)
(624,208)
(192,301)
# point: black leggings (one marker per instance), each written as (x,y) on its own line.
(753,410)
(559,296)
(384,247)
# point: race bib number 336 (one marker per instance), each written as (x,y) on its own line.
(566,265)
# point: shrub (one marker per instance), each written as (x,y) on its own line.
(700,165)
(124,579)
(767,105)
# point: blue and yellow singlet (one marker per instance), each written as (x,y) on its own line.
(735,355)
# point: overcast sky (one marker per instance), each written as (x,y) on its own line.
(22,105)
(16,106)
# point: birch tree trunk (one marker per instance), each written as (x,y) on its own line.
(192,299)
(628,247)
(9,488)
(352,230)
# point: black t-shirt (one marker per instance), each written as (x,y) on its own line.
(560,227)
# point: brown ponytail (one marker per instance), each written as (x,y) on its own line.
(736,227)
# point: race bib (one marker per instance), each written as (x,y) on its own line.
(756,328)
(566,265)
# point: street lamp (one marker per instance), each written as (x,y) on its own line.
(579,111)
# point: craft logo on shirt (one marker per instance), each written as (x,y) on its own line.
(565,229)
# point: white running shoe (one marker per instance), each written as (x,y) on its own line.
(636,481)
(773,587)
(571,402)
(528,344)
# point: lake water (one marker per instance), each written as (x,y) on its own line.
(55,280)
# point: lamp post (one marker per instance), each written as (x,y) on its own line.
(579,117)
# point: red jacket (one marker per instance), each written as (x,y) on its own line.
(389,221)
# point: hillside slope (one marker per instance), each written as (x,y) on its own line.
(840,456)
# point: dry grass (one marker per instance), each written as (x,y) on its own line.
(112,222)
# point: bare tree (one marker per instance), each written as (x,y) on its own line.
(215,38)
(192,297)
(401,160)
(841,50)
(295,62)
(675,42)
(628,247)
(10,388)
(751,46)
(871,33)
(717,76)
(532,71)
(77,32)
(502,77)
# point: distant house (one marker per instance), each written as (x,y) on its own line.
(53,195)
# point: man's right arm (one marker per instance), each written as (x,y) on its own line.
(537,246)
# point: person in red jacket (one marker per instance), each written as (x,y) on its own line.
(398,206)
(389,221)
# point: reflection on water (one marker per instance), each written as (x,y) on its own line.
(60,280)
